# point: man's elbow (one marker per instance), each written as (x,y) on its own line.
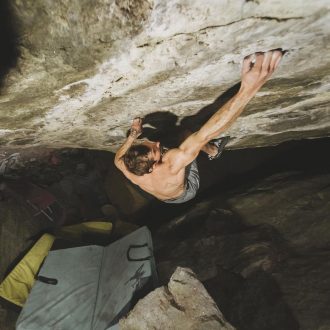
(117,161)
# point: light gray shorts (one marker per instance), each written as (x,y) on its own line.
(192,185)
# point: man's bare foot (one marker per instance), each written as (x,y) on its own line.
(219,145)
(210,149)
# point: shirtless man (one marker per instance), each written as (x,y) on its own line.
(172,176)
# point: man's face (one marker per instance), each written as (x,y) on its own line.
(155,150)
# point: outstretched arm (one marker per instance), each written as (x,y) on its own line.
(135,132)
(256,71)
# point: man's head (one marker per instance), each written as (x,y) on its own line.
(141,158)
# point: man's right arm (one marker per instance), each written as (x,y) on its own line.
(135,132)
(254,76)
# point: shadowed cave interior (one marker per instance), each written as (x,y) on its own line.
(9,40)
(207,234)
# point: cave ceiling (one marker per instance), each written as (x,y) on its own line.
(78,71)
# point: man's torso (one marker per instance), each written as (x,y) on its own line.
(161,183)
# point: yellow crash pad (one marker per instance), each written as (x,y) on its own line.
(17,285)
(77,232)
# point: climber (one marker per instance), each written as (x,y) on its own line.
(172,175)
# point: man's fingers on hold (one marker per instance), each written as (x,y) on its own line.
(277,62)
(247,62)
(266,62)
(276,58)
(259,60)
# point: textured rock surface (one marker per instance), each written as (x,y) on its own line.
(184,304)
(262,251)
(86,68)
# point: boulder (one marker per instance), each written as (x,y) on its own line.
(183,304)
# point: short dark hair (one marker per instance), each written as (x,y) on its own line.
(137,161)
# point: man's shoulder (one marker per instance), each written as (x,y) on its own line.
(170,159)
(172,153)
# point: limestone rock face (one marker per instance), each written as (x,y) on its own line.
(87,67)
(184,304)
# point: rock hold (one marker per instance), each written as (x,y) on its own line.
(183,305)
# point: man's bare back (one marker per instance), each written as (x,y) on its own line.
(173,176)
(153,183)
